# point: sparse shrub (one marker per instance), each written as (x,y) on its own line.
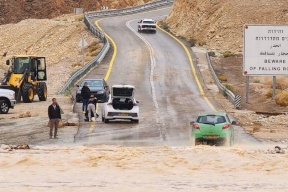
(89,58)
(80,25)
(78,64)
(256,81)
(202,42)
(282,98)
(229,87)
(164,26)
(256,128)
(269,93)
(67,92)
(192,42)
(211,53)
(227,54)
(222,78)
(281,83)
(79,17)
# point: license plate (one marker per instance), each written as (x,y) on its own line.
(211,137)
(123,114)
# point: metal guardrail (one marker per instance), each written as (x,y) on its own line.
(234,99)
(107,13)
(129,10)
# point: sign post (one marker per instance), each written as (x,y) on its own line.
(265,52)
(82,44)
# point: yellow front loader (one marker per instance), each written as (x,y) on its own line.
(26,76)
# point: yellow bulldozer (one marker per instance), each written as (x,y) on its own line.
(26,76)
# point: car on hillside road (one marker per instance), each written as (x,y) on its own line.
(98,87)
(213,128)
(148,25)
(121,104)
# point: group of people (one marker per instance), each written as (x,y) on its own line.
(89,102)
(88,107)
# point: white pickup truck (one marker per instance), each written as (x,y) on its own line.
(147,25)
(7,100)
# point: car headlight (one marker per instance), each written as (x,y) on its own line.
(100,92)
(11,95)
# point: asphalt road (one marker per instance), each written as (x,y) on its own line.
(159,68)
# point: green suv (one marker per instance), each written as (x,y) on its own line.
(212,128)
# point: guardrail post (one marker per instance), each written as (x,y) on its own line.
(237,101)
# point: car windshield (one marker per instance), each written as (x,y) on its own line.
(93,83)
(211,119)
(149,22)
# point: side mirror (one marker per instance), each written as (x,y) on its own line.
(233,122)
(7,62)
(77,86)
(192,122)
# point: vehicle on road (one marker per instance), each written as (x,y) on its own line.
(213,128)
(121,104)
(26,76)
(98,87)
(147,25)
(7,100)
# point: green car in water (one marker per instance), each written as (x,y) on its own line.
(212,128)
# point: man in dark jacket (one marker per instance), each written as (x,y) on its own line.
(85,93)
(54,117)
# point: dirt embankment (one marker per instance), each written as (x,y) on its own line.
(15,11)
(219,23)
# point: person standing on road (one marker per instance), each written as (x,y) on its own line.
(85,93)
(92,108)
(54,114)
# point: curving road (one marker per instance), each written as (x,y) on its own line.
(160,69)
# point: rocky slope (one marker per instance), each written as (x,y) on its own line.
(15,11)
(219,23)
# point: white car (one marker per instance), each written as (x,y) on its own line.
(147,25)
(121,104)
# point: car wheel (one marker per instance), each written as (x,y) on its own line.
(4,107)
(102,119)
(135,120)
(106,120)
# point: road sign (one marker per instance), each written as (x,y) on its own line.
(265,50)
(83,43)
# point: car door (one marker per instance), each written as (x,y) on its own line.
(106,87)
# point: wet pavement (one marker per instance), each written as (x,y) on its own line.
(159,68)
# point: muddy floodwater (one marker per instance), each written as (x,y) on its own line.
(116,168)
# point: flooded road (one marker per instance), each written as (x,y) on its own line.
(169,91)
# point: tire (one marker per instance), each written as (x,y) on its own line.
(27,93)
(42,91)
(106,120)
(135,120)
(4,107)
(103,119)
(139,30)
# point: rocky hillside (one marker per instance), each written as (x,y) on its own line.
(15,11)
(218,23)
